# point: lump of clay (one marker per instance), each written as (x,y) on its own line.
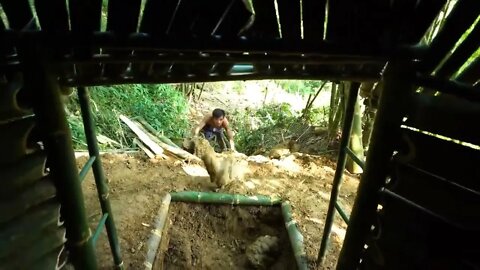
(222,168)
(262,253)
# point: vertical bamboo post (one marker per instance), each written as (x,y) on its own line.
(102,187)
(49,110)
(341,162)
(394,98)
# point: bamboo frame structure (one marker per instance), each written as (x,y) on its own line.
(46,45)
(99,175)
(295,236)
(341,162)
(394,98)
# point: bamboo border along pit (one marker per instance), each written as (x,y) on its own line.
(294,235)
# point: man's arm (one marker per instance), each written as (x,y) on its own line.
(230,134)
(200,125)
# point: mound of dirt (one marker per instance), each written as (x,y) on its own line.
(223,168)
(225,237)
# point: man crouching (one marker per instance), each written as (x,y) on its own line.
(212,127)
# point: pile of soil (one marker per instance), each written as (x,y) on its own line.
(220,237)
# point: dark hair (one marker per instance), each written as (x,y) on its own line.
(217,113)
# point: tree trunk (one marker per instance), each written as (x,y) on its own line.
(356,144)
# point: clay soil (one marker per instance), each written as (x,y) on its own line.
(217,237)
(137,186)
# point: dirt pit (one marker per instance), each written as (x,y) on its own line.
(201,236)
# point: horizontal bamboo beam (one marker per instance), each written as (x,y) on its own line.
(342,212)
(86,168)
(144,41)
(155,79)
(223,198)
(354,157)
(99,228)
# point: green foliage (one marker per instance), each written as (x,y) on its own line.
(262,128)
(299,87)
(162,106)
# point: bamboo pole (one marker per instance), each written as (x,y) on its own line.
(50,114)
(156,237)
(394,100)
(296,238)
(341,162)
(99,175)
(223,198)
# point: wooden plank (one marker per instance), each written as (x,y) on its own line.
(313,19)
(144,148)
(446,115)
(176,151)
(156,149)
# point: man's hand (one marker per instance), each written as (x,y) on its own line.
(232,146)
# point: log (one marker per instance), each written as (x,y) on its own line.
(156,149)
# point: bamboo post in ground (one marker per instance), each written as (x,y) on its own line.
(395,96)
(50,113)
(99,175)
(342,159)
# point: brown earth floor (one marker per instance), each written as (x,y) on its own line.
(137,186)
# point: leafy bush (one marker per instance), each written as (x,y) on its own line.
(162,106)
(263,128)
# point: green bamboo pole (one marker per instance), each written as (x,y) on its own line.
(102,187)
(223,198)
(395,97)
(342,212)
(156,237)
(341,162)
(51,116)
(86,168)
(99,228)
(296,238)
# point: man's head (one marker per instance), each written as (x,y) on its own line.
(218,116)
